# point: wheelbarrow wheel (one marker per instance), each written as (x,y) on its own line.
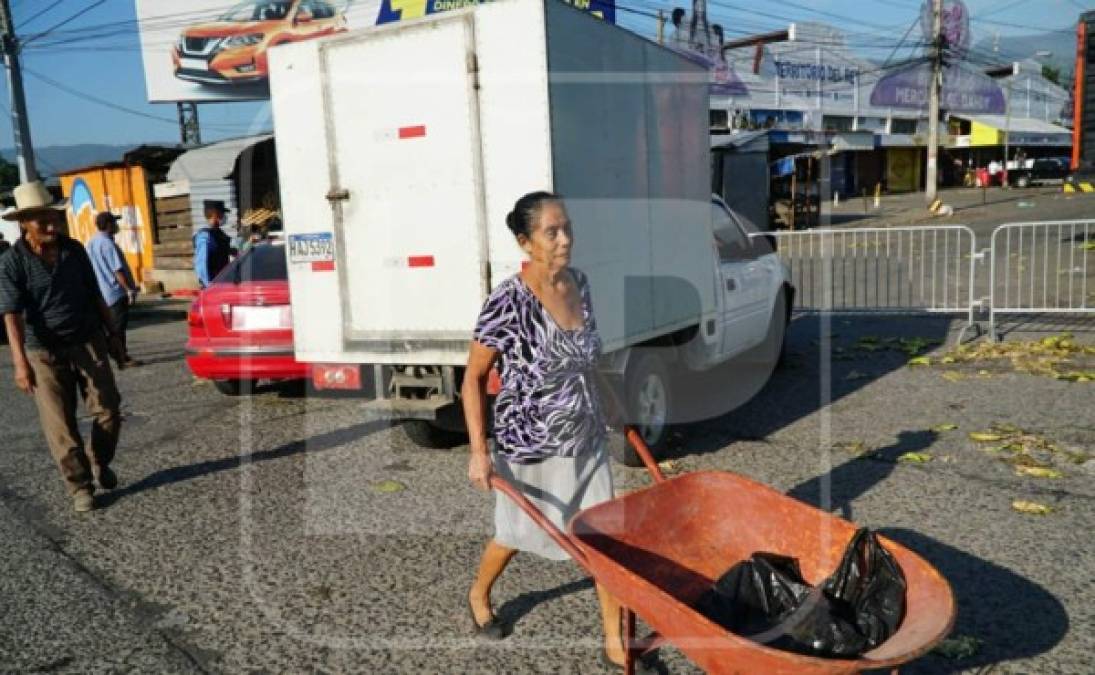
(650,403)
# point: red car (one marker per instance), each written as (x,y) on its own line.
(241,326)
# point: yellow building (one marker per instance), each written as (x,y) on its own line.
(125,189)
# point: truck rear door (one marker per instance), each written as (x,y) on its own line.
(406,176)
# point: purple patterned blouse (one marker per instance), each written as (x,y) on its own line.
(549,404)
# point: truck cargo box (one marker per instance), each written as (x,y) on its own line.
(402,148)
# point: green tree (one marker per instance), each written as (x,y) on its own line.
(1052,74)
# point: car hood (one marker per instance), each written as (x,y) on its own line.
(218,29)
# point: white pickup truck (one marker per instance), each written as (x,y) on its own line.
(401,149)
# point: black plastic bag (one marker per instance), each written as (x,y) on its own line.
(851,612)
(756,594)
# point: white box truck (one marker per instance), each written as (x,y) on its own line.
(401,149)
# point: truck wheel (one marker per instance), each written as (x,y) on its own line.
(235,387)
(650,403)
(425,435)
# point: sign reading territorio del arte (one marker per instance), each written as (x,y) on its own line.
(965,89)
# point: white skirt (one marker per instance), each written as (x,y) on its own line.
(560,487)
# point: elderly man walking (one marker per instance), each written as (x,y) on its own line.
(50,301)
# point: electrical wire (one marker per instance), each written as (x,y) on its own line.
(41,12)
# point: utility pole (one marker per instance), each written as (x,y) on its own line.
(934,94)
(661,27)
(190,133)
(20,126)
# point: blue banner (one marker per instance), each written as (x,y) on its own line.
(397,10)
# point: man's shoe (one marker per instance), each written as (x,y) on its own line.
(108,480)
(83,501)
(130,363)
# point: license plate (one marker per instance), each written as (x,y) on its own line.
(314,247)
(275,317)
(194,64)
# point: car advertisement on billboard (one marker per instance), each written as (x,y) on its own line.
(213,50)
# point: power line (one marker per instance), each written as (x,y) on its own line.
(44,11)
(72,18)
(109,104)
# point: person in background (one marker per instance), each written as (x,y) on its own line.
(115,279)
(59,333)
(212,247)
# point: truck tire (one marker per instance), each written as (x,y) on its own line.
(650,405)
(426,435)
(235,387)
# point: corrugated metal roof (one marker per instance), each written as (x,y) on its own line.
(215,161)
(742,141)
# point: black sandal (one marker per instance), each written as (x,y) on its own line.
(492,629)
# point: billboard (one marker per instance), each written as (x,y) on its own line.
(217,50)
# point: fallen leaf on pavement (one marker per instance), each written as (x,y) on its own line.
(856,448)
(1038,472)
(952,376)
(940,428)
(669,466)
(915,458)
(1032,508)
(920,361)
(985,437)
(958,647)
(389,486)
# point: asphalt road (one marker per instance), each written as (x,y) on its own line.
(280,534)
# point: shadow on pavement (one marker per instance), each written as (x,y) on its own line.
(517,608)
(852,479)
(179,474)
(1013,617)
(739,401)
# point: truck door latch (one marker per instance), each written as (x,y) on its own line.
(338,195)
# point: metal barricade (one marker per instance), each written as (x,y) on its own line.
(891,270)
(1041,268)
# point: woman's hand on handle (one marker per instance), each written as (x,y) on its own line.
(480,470)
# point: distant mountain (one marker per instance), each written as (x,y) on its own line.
(55,158)
(1062,47)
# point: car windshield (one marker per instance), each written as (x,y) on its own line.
(258,11)
(262,262)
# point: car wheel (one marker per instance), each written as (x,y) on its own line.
(235,387)
(650,405)
(424,434)
(1023,181)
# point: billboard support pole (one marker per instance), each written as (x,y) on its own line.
(20,125)
(190,133)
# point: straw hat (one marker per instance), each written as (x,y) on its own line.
(33,197)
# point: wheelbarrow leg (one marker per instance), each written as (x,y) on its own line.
(629,640)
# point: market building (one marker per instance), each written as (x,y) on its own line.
(818,97)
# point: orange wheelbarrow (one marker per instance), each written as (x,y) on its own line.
(660,549)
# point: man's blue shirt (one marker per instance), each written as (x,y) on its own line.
(106,259)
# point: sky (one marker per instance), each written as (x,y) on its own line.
(112,71)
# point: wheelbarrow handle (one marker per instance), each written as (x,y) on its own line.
(564,542)
(636,440)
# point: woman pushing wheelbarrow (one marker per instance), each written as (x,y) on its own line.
(555,495)
(549,428)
